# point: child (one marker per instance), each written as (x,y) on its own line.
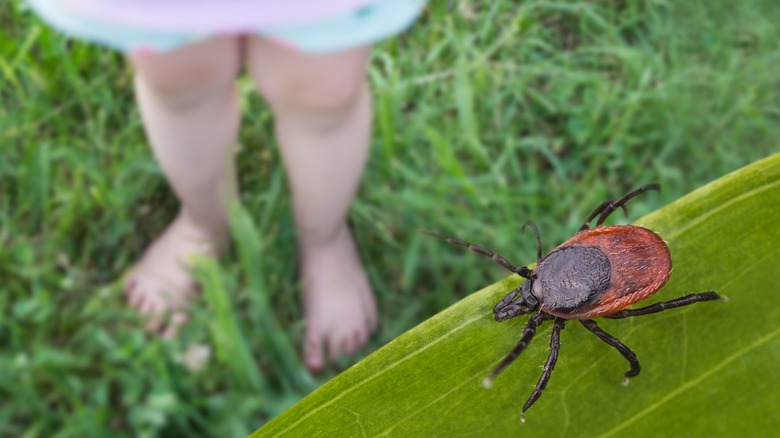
(308,60)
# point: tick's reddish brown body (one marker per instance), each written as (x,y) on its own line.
(599,272)
(639,264)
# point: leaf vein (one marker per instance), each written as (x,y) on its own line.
(383,371)
(431,403)
(706,215)
(691,383)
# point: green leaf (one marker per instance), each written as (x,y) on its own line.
(707,369)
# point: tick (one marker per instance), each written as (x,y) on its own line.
(599,272)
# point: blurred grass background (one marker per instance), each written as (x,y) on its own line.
(488,113)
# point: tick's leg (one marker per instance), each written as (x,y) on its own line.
(538,239)
(671,304)
(595,213)
(549,366)
(614,205)
(510,306)
(619,346)
(528,334)
(607,207)
(522,271)
(600,209)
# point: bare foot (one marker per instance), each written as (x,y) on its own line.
(160,286)
(338,301)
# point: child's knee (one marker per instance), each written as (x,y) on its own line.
(184,77)
(315,95)
(314,84)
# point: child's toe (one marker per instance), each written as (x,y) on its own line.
(334,347)
(176,321)
(348,345)
(360,338)
(134,298)
(313,354)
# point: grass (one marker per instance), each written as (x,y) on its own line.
(487,114)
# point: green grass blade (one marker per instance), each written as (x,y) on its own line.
(231,343)
(427,382)
(269,331)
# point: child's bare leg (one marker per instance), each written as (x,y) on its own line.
(322,112)
(190,111)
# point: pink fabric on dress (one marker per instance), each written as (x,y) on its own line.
(211,16)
